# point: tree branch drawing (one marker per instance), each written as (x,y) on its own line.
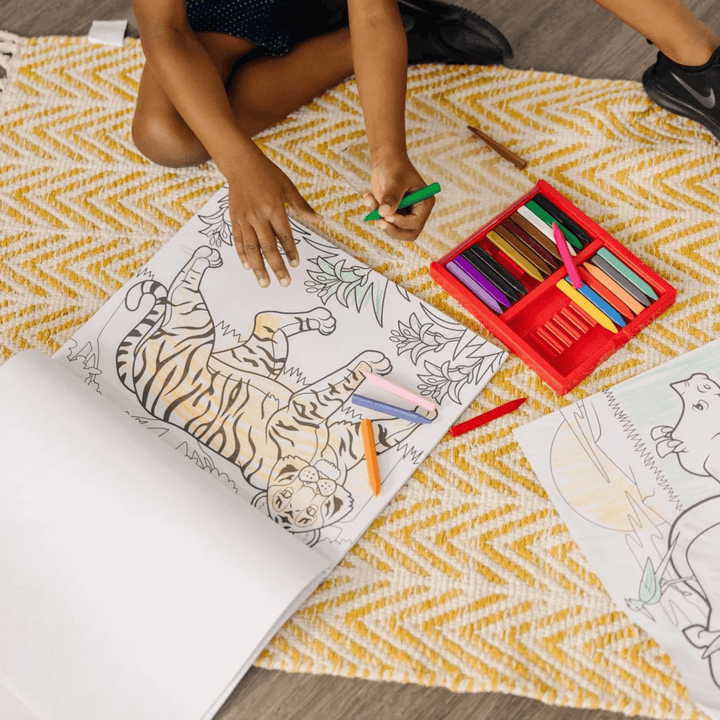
(472,357)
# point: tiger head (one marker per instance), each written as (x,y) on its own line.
(303,498)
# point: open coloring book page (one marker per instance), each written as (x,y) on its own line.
(634,471)
(254,385)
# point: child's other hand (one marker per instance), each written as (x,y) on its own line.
(257,198)
(391,181)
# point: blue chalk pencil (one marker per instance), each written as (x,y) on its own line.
(389,409)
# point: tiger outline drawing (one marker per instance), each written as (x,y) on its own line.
(293,446)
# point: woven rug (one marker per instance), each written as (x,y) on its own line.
(469,580)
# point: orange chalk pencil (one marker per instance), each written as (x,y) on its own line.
(371,455)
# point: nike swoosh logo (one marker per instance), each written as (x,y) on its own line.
(707,100)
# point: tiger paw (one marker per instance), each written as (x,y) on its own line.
(373,361)
(322,320)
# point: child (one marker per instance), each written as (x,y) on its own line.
(686,76)
(196,103)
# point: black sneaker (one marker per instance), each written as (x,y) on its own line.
(692,91)
(444,33)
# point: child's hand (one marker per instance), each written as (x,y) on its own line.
(391,181)
(257,198)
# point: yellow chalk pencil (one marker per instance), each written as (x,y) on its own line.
(514,255)
(586,305)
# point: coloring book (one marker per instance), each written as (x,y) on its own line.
(185,519)
(634,472)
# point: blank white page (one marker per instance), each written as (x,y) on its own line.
(132,584)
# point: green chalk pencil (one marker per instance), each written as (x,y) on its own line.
(411,199)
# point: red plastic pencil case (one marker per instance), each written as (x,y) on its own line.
(545,328)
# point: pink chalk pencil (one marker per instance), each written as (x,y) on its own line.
(399,391)
(561,242)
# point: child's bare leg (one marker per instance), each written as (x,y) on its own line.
(670,26)
(158,130)
(266,90)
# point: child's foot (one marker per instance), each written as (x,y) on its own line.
(444,33)
(691,91)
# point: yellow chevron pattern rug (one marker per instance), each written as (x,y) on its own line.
(469,580)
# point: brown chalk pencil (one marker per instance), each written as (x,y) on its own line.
(501,150)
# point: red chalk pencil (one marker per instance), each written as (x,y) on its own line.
(486,417)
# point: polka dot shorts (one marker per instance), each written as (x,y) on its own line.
(274,25)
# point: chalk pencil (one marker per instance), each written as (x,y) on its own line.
(484,256)
(481,280)
(524,249)
(368,437)
(620,279)
(586,305)
(632,276)
(500,149)
(412,199)
(486,417)
(558,214)
(389,409)
(475,288)
(514,255)
(615,288)
(604,292)
(549,219)
(602,305)
(564,249)
(519,226)
(399,391)
(530,217)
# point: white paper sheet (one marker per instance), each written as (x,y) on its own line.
(255,384)
(634,471)
(133,585)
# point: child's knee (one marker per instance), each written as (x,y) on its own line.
(167,142)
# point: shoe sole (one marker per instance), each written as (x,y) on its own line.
(471,21)
(674,104)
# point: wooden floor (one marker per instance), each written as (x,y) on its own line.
(569,36)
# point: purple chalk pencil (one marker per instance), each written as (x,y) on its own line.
(473,286)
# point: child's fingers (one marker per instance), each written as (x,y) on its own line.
(413,221)
(298,203)
(389,202)
(267,239)
(283,231)
(370,202)
(254,255)
(239,246)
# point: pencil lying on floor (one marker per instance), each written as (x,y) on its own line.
(501,150)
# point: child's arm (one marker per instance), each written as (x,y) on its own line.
(258,188)
(379,51)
